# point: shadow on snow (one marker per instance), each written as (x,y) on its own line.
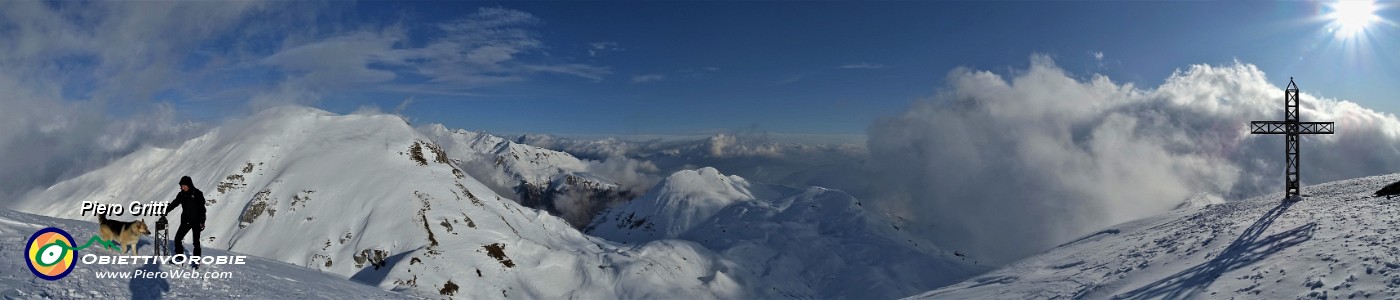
(148,288)
(1245,250)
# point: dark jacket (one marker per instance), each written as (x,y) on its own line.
(193,201)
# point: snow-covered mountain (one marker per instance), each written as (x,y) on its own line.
(823,237)
(370,198)
(540,178)
(674,206)
(259,278)
(1339,242)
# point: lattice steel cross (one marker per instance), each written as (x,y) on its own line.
(1290,127)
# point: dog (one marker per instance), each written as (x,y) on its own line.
(126,234)
(1388,191)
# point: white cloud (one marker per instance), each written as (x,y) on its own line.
(862,65)
(647,78)
(602,47)
(97,43)
(292,92)
(1098,55)
(490,46)
(398,110)
(630,174)
(585,71)
(1007,166)
(64,65)
(340,60)
(749,144)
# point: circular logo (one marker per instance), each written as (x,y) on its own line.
(50,253)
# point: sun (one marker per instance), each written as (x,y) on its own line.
(1350,18)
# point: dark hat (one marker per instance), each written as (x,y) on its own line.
(186,181)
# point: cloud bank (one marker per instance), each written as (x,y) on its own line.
(1004,166)
(82,82)
(1007,166)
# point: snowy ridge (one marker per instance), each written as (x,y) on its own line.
(1337,242)
(519,162)
(540,178)
(369,198)
(812,242)
(258,278)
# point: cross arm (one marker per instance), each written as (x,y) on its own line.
(1285,127)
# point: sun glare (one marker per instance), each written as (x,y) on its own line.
(1352,17)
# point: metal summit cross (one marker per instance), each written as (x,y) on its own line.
(1290,127)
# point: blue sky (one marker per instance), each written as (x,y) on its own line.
(672,67)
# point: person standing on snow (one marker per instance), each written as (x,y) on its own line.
(192,218)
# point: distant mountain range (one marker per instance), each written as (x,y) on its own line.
(370,198)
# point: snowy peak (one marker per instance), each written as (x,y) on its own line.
(527,163)
(1337,242)
(359,190)
(673,206)
(706,181)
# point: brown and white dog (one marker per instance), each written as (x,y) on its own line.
(126,234)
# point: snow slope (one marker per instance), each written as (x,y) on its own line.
(541,178)
(368,197)
(259,278)
(812,242)
(1337,242)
